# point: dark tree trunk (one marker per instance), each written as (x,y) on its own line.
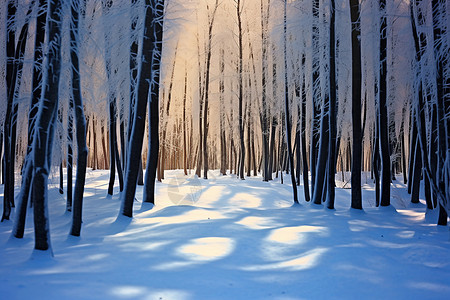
(140,180)
(356,105)
(383,115)
(314,138)
(264,107)
(403,150)
(272,138)
(317,196)
(240,93)
(70,144)
(298,164)
(287,112)
(223,145)
(376,163)
(249,131)
(206,95)
(199,155)
(156,46)
(61,172)
(303,136)
(412,149)
(80,123)
(27,173)
(122,138)
(15,57)
(184,124)
(45,120)
(137,134)
(437,16)
(417,170)
(10,81)
(114,160)
(420,43)
(2,173)
(133,79)
(61,178)
(332,113)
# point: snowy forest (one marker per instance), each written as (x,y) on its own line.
(326,106)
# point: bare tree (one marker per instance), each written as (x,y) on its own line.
(287,110)
(15,54)
(356,105)
(46,118)
(211,17)
(156,36)
(27,174)
(240,87)
(80,122)
(332,111)
(382,113)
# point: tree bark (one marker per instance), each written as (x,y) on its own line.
(420,43)
(80,123)
(152,157)
(332,112)
(442,143)
(315,95)
(240,92)
(184,124)
(383,115)
(45,120)
(417,170)
(287,112)
(356,196)
(303,136)
(206,95)
(264,117)
(27,173)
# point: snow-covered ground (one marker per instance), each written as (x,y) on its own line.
(229,239)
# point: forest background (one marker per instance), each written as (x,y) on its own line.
(254,88)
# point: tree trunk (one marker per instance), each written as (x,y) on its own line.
(184,124)
(303,136)
(287,112)
(45,120)
(133,82)
(383,115)
(70,138)
(240,93)
(206,99)
(27,173)
(438,12)
(80,123)
(322,158)
(417,170)
(137,134)
(376,163)
(356,105)
(420,43)
(412,148)
(264,115)
(112,156)
(332,113)
(15,57)
(315,86)
(200,117)
(152,158)
(223,145)
(114,160)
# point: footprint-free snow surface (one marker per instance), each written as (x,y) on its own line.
(225,238)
